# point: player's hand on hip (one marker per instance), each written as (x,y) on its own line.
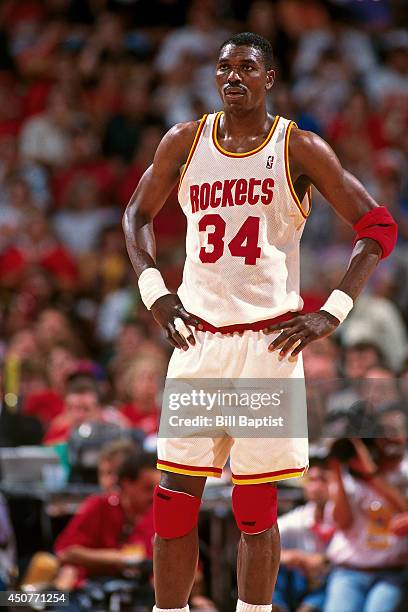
(301,331)
(171,315)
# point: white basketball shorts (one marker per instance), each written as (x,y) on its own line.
(253,460)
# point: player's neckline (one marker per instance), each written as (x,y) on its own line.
(245,153)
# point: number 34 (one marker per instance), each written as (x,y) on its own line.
(244,244)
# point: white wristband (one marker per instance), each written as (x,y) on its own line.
(338,304)
(151,286)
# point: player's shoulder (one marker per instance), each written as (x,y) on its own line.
(303,139)
(183,132)
(180,138)
(305,146)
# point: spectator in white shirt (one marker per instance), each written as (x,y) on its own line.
(44,137)
(369,551)
(80,225)
(388,85)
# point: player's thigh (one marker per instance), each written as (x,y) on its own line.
(349,586)
(273,458)
(203,360)
(254,360)
(193,485)
(193,456)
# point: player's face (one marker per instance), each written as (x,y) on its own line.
(82,408)
(317,485)
(241,77)
(108,473)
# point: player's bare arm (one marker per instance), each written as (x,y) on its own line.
(149,197)
(313,162)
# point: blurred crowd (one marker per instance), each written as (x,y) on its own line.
(87,90)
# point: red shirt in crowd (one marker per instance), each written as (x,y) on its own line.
(371,131)
(100,523)
(146,421)
(45,405)
(100,170)
(56,260)
(58,431)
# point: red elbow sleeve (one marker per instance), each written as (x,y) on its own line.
(379,225)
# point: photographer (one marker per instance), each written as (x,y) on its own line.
(369,552)
(112,530)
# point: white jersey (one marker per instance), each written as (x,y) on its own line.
(244,224)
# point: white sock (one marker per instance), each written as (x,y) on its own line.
(185,609)
(244,607)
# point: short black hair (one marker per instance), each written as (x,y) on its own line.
(79,383)
(367,345)
(249,39)
(318,462)
(134,463)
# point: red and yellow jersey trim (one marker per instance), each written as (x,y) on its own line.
(189,470)
(243,479)
(193,147)
(298,203)
(246,153)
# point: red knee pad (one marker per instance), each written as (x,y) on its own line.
(174,513)
(255,507)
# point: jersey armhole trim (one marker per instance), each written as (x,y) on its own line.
(193,147)
(298,203)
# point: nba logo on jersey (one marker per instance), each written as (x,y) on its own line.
(269,161)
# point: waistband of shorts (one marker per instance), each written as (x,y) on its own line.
(242,327)
(371,570)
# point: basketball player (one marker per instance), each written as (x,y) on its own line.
(245,190)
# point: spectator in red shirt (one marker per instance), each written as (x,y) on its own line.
(112,530)
(357,134)
(39,399)
(84,161)
(44,567)
(82,405)
(37,246)
(142,380)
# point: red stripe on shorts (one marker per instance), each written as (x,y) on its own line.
(267,474)
(191,468)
